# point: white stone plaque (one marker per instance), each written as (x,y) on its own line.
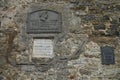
(43,48)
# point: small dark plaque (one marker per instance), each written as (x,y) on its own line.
(44,21)
(1,3)
(107,54)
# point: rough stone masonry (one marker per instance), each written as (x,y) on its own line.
(87,25)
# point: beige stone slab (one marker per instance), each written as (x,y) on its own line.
(42,48)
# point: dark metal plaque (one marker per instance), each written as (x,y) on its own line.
(107,55)
(1,3)
(44,21)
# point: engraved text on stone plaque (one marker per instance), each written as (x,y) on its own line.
(42,48)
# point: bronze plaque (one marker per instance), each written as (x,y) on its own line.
(44,21)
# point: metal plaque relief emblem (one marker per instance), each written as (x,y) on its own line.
(44,21)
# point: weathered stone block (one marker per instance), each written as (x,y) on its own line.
(1,77)
(113,21)
(28,68)
(100,27)
(92,50)
(89,17)
(105,17)
(84,72)
(2,60)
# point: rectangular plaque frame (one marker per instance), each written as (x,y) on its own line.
(44,21)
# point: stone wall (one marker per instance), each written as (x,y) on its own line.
(87,25)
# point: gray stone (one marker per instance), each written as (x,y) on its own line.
(1,78)
(2,60)
(1,34)
(89,17)
(106,17)
(107,1)
(27,68)
(43,69)
(113,30)
(99,27)
(102,7)
(82,3)
(80,13)
(62,75)
(117,7)
(92,49)
(113,21)
(85,3)
(84,72)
